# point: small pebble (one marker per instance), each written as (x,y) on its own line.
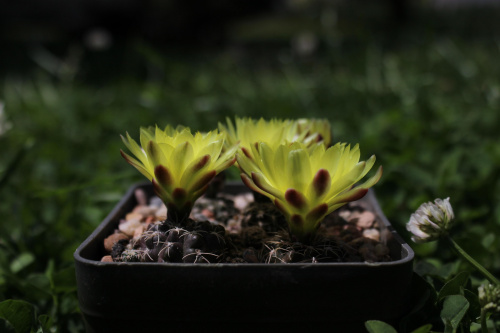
(145,210)
(242,201)
(156,202)
(161,213)
(363,220)
(107,259)
(141,197)
(208,213)
(372,234)
(150,219)
(133,216)
(111,240)
(138,232)
(128,228)
(345,214)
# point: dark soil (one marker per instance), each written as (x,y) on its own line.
(236,229)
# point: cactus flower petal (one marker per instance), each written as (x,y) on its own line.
(297,220)
(203,181)
(179,194)
(136,164)
(163,176)
(295,198)
(194,171)
(317,213)
(321,182)
(161,191)
(261,183)
(251,185)
(351,195)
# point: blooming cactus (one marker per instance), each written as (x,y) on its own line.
(316,130)
(179,164)
(248,132)
(306,184)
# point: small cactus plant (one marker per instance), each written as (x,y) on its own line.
(179,164)
(306,184)
(289,161)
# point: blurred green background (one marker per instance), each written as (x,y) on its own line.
(417,83)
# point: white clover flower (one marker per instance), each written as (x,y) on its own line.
(489,298)
(431,220)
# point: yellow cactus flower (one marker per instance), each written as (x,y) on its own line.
(179,164)
(249,131)
(316,130)
(306,184)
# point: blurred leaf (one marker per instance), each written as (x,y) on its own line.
(423,298)
(6,327)
(423,329)
(475,307)
(475,327)
(449,269)
(19,314)
(21,261)
(376,326)
(423,267)
(38,285)
(45,323)
(425,249)
(69,304)
(473,212)
(15,163)
(65,280)
(488,240)
(49,272)
(454,309)
(454,286)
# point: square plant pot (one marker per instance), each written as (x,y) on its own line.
(295,297)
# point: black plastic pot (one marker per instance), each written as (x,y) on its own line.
(141,297)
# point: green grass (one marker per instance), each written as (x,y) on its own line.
(429,111)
